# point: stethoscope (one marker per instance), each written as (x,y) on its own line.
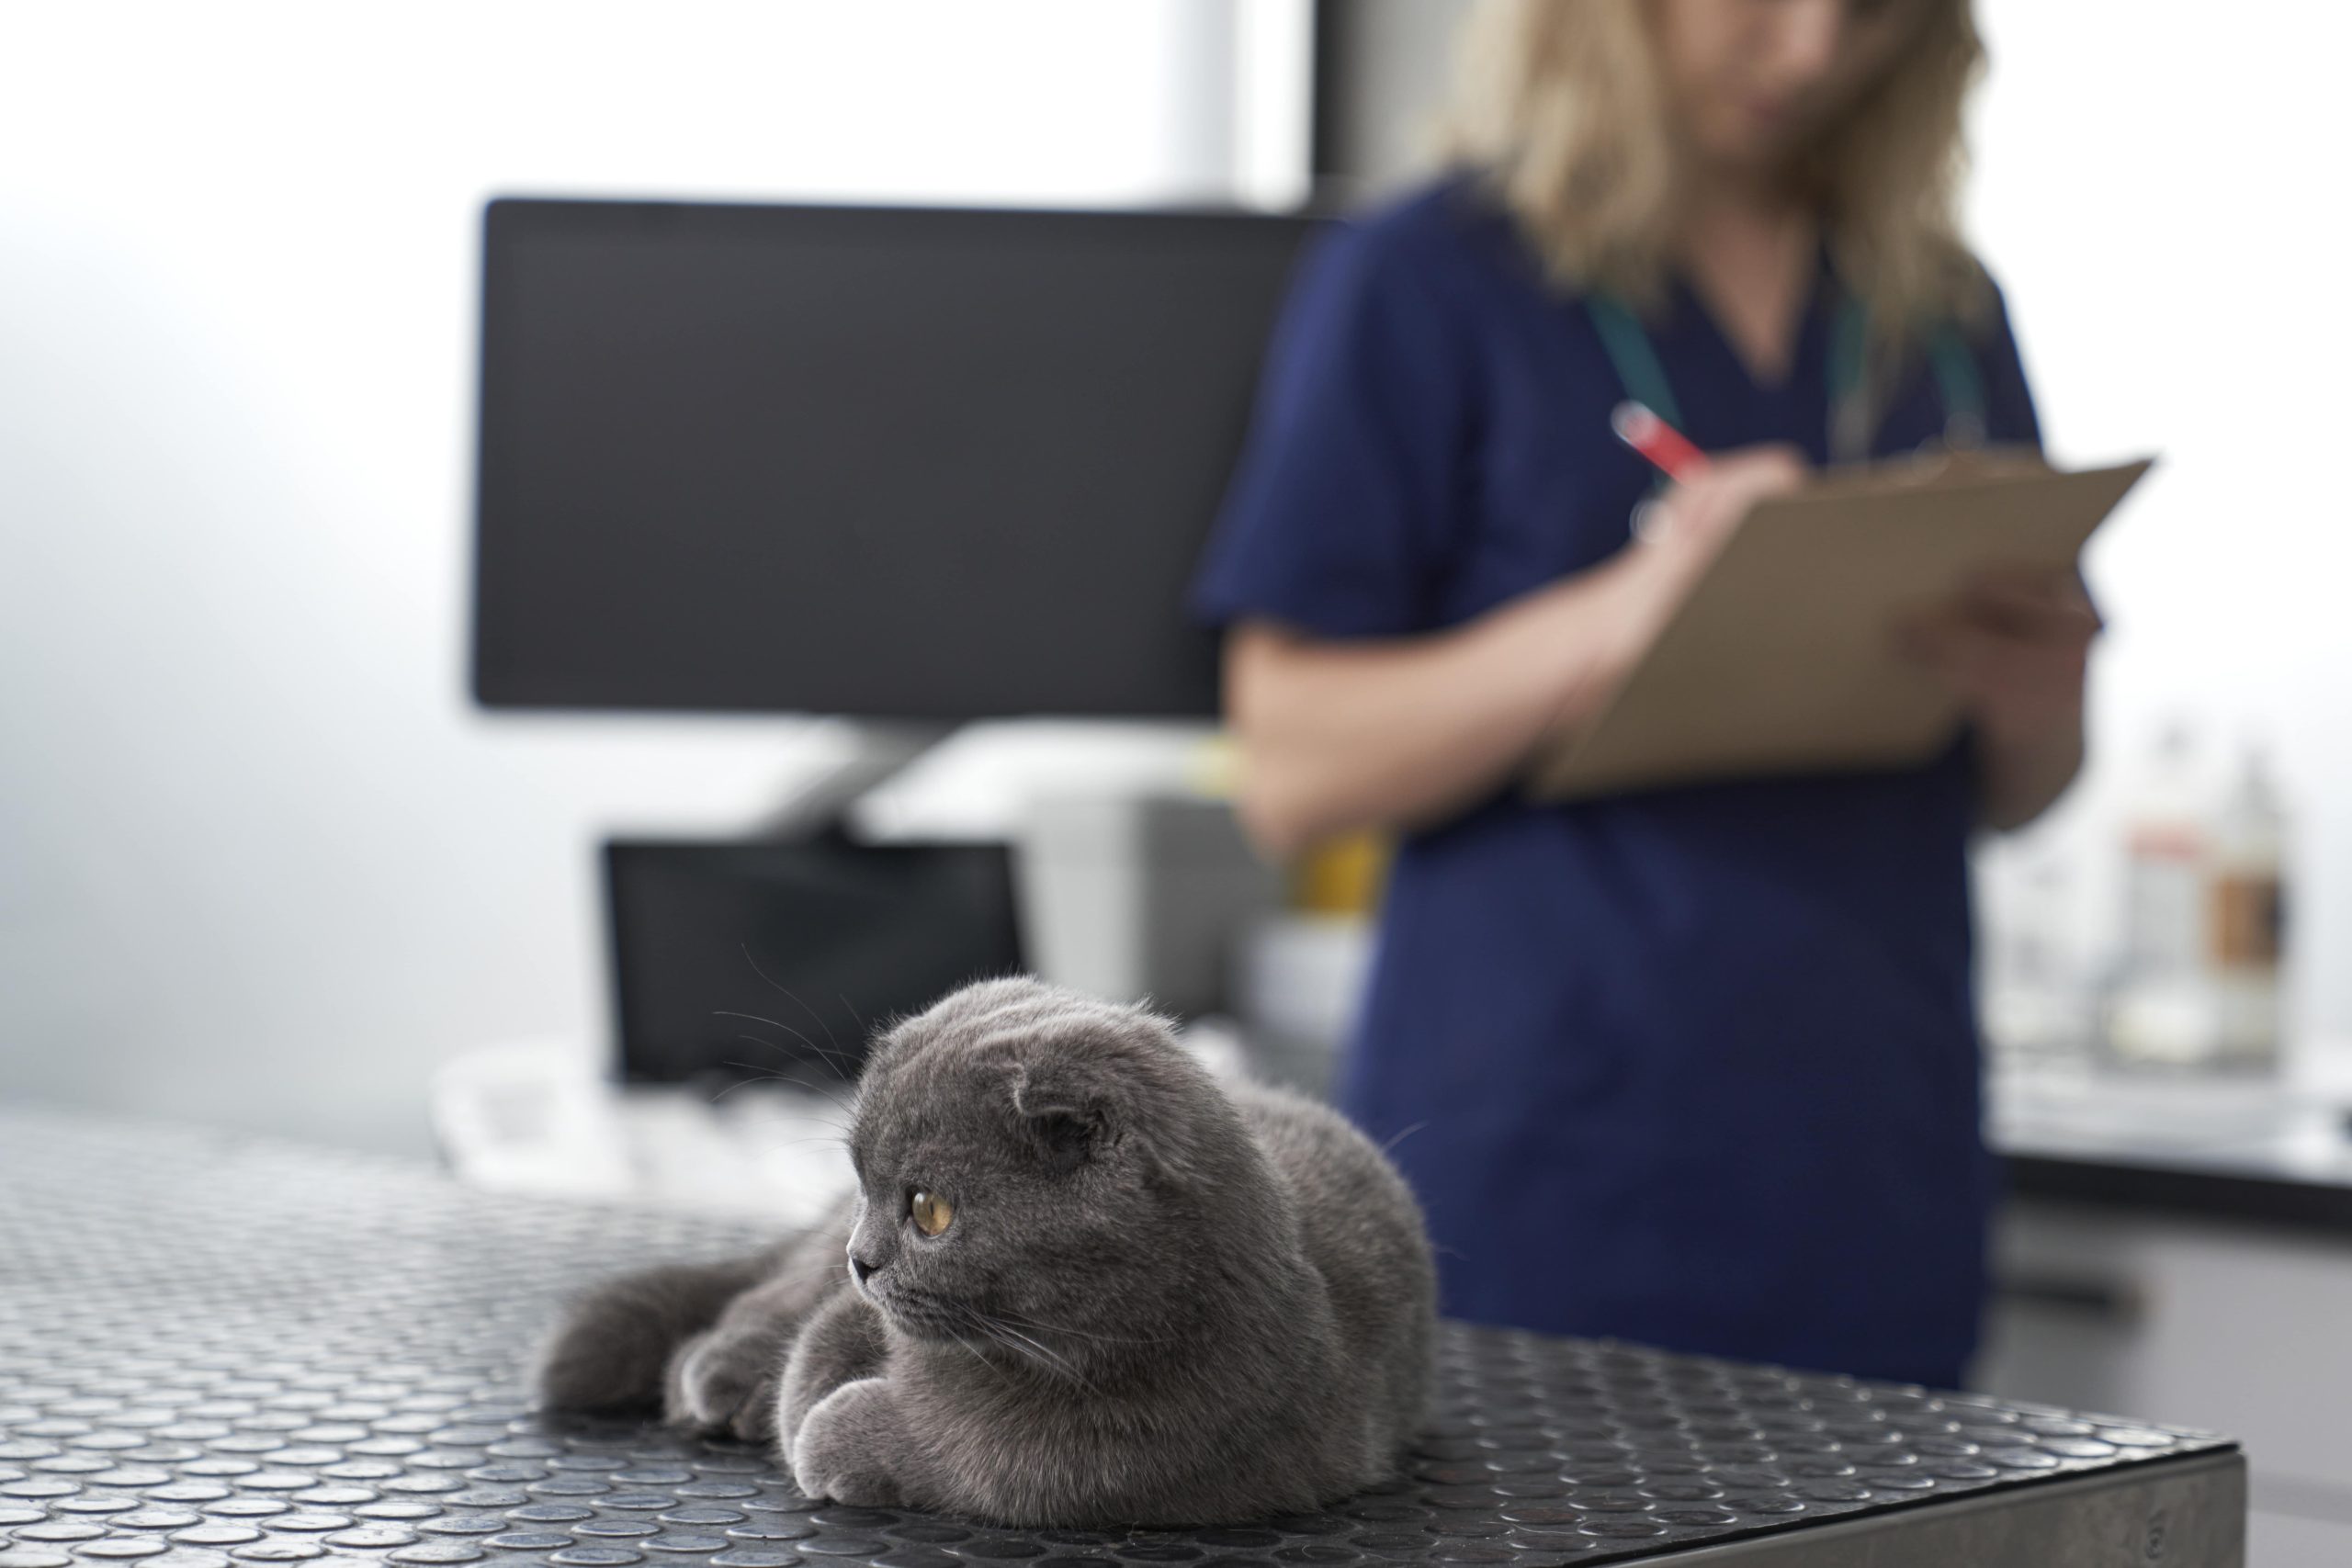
(1860,381)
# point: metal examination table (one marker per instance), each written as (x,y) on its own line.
(216,1350)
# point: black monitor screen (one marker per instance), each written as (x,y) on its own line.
(895,462)
(784,957)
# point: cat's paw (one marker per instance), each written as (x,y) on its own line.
(839,1452)
(722,1381)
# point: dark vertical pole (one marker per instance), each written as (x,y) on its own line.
(1327,153)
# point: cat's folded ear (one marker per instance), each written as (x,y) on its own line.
(1069,1123)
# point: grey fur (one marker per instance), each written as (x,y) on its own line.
(1157,1303)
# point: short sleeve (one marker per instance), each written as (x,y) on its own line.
(2010,417)
(1347,493)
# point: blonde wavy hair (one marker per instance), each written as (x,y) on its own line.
(1560,104)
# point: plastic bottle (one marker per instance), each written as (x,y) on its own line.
(2246,916)
(2164,1009)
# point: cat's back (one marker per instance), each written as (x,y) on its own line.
(1362,1231)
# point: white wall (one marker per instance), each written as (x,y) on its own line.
(259,862)
(2159,187)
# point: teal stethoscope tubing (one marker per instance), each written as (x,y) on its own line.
(1853,414)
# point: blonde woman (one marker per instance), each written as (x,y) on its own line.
(1694,1066)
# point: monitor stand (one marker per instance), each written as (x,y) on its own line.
(878,752)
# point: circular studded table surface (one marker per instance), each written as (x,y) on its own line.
(216,1350)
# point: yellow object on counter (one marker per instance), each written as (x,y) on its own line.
(1342,875)
(1339,877)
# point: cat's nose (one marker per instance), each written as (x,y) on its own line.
(867,1251)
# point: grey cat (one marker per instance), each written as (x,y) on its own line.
(1079,1284)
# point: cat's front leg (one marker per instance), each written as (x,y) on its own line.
(842,1341)
(855,1448)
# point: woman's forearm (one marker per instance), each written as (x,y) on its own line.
(1399,732)
(1404,732)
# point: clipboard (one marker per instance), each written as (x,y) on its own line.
(1781,660)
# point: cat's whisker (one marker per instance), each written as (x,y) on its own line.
(965,1346)
(1400,1137)
(730,1089)
(832,1058)
(755,1074)
(840,1057)
(759,1071)
(970,1350)
(841,1138)
(750,1017)
(1013,1317)
(854,1013)
(831,1038)
(816,1088)
(1052,1360)
(764,1071)
(997,1336)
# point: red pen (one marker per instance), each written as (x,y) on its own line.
(1659,442)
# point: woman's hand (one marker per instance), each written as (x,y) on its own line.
(2014,648)
(1686,529)
(1703,511)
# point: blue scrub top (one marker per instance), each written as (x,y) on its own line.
(1695,1067)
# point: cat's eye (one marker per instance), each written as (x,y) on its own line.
(930,1213)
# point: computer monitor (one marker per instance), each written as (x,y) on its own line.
(782,957)
(898,463)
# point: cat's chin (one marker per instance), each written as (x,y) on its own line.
(913,1319)
(926,1333)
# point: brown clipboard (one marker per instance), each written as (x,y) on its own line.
(1782,658)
